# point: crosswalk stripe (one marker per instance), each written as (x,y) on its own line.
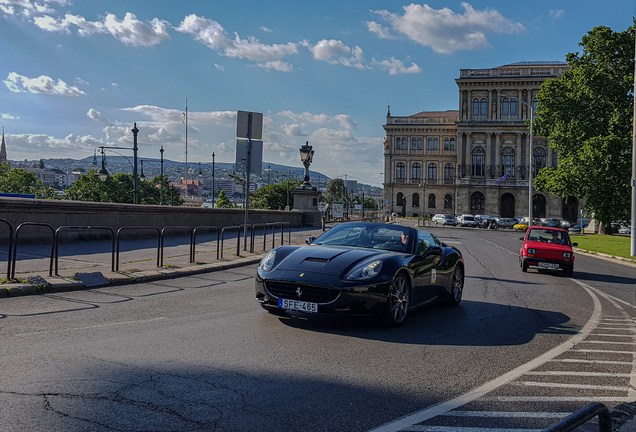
(590,374)
(591,361)
(418,428)
(603,351)
(572,386)
(506,414)
(554,399)
(609,342)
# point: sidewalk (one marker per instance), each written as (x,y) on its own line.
(88,264)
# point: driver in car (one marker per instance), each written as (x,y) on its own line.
(556,238)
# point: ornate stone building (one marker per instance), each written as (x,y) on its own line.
(475,160)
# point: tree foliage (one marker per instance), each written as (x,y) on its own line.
(336,191)
(587,115)
(223,201)
(19,181)
(274,196)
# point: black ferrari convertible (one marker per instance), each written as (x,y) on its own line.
(366,269)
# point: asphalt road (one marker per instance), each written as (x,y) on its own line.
(199,354)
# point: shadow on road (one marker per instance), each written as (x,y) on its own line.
(598,277)
(494,324)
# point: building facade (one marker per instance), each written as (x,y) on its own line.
(476,159)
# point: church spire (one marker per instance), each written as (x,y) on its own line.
(3,149)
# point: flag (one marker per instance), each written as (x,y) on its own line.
(501,179)
(183,119)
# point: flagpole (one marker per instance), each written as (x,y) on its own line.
(186,154)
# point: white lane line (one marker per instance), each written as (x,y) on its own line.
(591,361)
(554,399)
(506,378)
(577,373)
(612,335)
(603,351)
(502,248)
(608,342)
(627,320)
(571,386)
(418,428)
(624,326)
(92,327)
(506,414)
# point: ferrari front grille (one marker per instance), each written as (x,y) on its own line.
(308,293)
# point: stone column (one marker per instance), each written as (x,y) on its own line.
(498,154)
(518,156)
(550,156)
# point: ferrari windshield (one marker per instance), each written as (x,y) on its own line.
(394,238)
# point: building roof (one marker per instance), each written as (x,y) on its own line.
(3,149)
(535,63)
(437,114)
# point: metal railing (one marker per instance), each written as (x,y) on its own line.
(238,239)
(15,244)
(138,228)
(85,228)
(10,248)
(194,240)
(162,237)
(583,416)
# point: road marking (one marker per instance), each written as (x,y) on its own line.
(603,351)
(609,342)
(612,335)
(464,429)
(591,361)
(602,327)
(506,378)
(502,248)
(506,414)
(93,327)
(571,386)
(576,373)
(554,399)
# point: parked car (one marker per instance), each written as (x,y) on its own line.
(467,220)
(522,225)
(615,227)
(490,223)
(547,248)
(444,219)
(554,222)
(575,228)
(506,223)
(361,269)
(625,230)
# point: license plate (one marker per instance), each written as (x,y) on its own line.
(298,305)
(548,265)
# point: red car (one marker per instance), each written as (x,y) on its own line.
(547,248)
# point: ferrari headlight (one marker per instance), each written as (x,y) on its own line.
(366,271)
(267,263)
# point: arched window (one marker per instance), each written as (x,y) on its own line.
(475,106)
(479,162)
(416,171)
(535,103)
(446,143)
(400,171)
(505,106)
(452,144)
(508,161)
(400,201)
(477,202)
(513,106)
(416,200)
(436,143)
(448,201)
(398,143)
(431,201)
(483,110)
(432,171)
(540,156)
(449,172)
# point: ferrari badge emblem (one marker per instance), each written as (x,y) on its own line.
(302,274)
(298,292)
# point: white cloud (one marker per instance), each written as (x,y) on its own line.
(396,67)
(266,30)
(129,31)
(96,115)
(306,117)
(382,32)
(9,10)
(293,130)
(24,146)
(41,85)
(78,80)
(219,67)
(9,117)
(169,115)
(445,31)
(346,121)
(212,34)
(114,84)
(557,13)
(336,52)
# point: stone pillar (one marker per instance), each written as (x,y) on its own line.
(518,155)
(307,202)
(498,154)
(550,156)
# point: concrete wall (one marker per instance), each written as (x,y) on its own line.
(74,213)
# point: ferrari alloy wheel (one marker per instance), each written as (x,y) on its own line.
(398,304)
(457,286)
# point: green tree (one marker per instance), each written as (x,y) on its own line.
(16,180)
(223,202)
(42,163)
(274,196)
(587,115)
(336,191)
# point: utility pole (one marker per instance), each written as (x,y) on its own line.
(633,235)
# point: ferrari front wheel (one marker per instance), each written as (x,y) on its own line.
(398,301)
(457,286)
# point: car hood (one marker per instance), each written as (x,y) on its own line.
(327,259)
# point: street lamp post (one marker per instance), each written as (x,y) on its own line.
(530,191)
(306,156)
(161,185)
(103,173)
(213,190)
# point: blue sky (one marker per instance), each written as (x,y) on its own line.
(77,74)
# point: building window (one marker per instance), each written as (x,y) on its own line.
(413,143)
(446,143)
(420,142)
(479,162)
(535,103)
(416,171)
(432,171)
(398,143)
(433,143)
(505,106)
(431,201)
(477,202)
(400,200)
(400,171)
(540,156)
(508,161)
(452,144)
(483,110)
(475,106)
(449,172)
(513,106)
(448,201)
(416,200)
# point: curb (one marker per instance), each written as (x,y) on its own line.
(607,257)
